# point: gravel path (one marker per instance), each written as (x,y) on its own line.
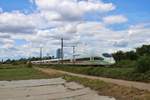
(138,85)
(47,89)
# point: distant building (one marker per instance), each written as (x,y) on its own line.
(58,53)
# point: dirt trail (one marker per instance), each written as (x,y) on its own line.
(138,85)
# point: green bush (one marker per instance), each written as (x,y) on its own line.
(29,64)
(143,64)
(125,64)
(15,63)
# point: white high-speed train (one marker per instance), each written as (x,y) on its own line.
(103,59)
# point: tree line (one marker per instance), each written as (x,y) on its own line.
(24,60)
(133,54)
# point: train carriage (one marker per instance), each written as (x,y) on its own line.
(103,59)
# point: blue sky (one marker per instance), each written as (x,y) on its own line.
(11,5)
(135,10)
(105,25)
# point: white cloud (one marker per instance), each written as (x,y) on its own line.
(51,15)
(16,23)
(115,19)
(90,26)
(71,9)
(4,35)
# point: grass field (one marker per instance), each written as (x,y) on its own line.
(20,72)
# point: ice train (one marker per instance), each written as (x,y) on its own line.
(103,59)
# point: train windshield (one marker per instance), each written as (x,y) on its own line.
(107,55)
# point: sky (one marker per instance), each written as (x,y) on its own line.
(93,26)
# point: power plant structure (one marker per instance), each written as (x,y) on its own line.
(59,53)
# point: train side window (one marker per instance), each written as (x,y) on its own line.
(98,58)
(82,59)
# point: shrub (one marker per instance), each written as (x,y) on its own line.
(29,64)
(125,64)
(143,64)
(15,63)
